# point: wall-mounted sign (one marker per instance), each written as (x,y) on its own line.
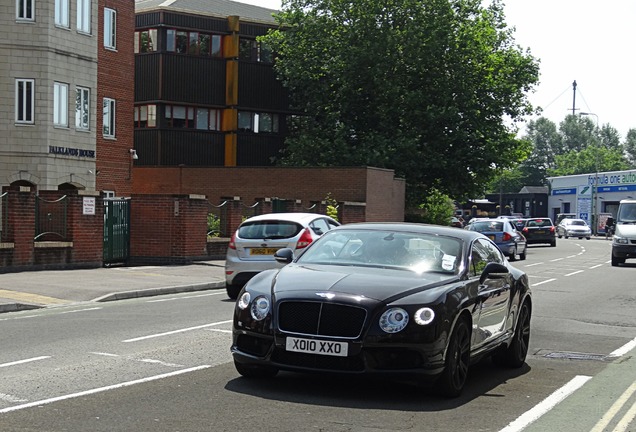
(70,151)
(89,206)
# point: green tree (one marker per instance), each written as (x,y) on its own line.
(591,159)
(422,87)
(630,147)
(438,208)
(546,144)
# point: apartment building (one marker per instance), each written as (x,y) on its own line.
(65,90)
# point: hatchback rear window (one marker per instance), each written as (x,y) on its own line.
(488,226)
(268,230)
(539,223)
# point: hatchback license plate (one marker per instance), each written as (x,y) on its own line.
(263,251)
(539,232)
(315,346)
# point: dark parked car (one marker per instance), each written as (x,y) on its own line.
(540,230)
(504,234)
(392,298)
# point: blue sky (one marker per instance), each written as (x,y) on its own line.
(588,41)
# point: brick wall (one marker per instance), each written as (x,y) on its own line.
(382,193)
(167,229)
(115,80)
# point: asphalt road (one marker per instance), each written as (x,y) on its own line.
(163,364)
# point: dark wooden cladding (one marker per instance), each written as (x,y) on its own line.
(149,19)
(147,66)
(156,147)
(259,89)
(194,22)
(253,30)
(258,149)
(193,80)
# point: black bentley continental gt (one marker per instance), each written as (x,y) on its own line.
(410,300)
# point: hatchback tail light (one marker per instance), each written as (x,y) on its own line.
(551,229)
(305,239)
(525,230)
(507,236)
(232,244)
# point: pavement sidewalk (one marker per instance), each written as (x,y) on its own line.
(37,289)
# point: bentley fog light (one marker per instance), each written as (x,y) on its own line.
(244,301)
(424,316)
(394,320)
(260,308)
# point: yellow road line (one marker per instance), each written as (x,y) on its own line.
(31,298)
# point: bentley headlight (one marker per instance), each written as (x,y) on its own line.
(260,308)
(424,316)
(244,301)
(394,320)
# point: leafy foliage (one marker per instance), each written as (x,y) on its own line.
(437,208)
(418,86)
(332,206)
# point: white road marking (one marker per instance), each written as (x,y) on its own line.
(614,409)
(101,389)
(572,256)
(557,259)
(11,398)
(24,361)
(624,349)
(535,264)
(576,272)
(176,331)
(161,362)
(546,404)
(221,331)
(542,282)
(596,266)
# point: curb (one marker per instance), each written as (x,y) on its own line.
(150,292)
(17,307)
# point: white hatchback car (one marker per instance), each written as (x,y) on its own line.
(251,249)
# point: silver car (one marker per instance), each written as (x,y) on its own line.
(574,228)
(252,247)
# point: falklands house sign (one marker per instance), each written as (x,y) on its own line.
(70,151)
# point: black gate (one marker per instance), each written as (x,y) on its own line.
(116,231)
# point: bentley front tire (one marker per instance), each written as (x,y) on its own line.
(451,382)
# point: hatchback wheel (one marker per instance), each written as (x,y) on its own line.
(451,382)
(233,290)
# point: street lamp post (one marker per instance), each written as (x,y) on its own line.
(595,185)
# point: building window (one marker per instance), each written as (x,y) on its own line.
(145,116)
(110,28)
(25,10)
(146,41)
(84,16)
(193,118)
(61,13)
(251,50)
(257,122)
(24,100)
(82,108)
(193,43)
(109,117)
(208,119)
(60,104)
(180,116)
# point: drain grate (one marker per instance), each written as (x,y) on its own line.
(578,356)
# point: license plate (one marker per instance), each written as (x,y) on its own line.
(315,346)
(539,232)
(263,251)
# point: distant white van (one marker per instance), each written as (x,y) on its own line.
(624,240)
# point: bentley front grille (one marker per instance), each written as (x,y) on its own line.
(321,319)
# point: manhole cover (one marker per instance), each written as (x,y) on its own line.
(577,356)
